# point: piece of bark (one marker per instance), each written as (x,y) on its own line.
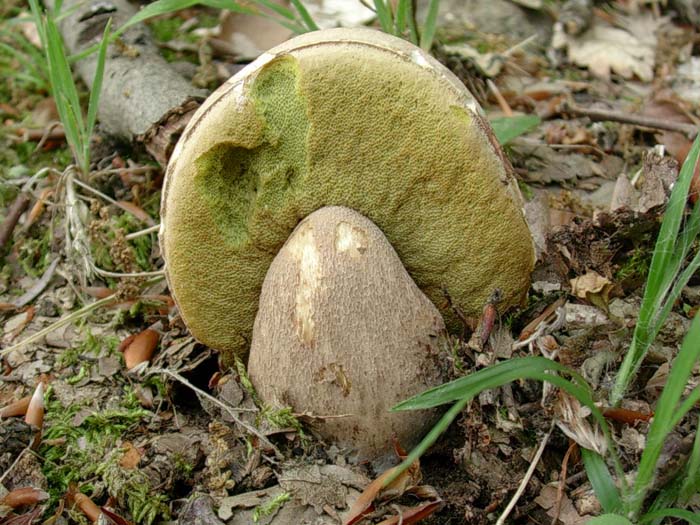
(143,98)
(14,212)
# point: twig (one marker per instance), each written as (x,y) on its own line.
(15,462)
(61,322)
(38,287)
(601,115)
(502,103)
(562,482)
(107,198)
(106,273)
(54,132)
(15,211)
(526,479)
(134,235)
(136,170)
(230,410)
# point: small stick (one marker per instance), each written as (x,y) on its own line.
(15,211)
(507,111)
(562,482)
(15,462)
(601,115)
(140,233)
(230,410)
(526,479)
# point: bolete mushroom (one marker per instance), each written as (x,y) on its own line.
(346,117)
(343,331)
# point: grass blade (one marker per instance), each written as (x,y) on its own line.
(666,414)
(602,482)
(508,128)
(686,515)
(383,15)
(609,519)
(466,388)
(96,89)
(428,33)
(305,16)
(412,27)
(401,16)
(491,377)
(691,481)
(665,265)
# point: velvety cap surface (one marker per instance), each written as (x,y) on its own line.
(339,117)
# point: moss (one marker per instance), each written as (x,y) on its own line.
(87,456)
(361,125)
(271,507)
(35,253)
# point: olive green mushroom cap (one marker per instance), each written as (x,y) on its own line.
(348,117)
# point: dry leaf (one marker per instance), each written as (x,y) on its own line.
(571,419)
(567,512)
(131,457)
(140,348)
(24,496)
(376,491)
(592,287)
(35,410)
(605,49)
(247,36)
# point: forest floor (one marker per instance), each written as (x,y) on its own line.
(612,88)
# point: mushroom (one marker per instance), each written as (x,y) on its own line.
(345,117)
(343,331)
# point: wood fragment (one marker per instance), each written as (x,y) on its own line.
(14,212)
(610,115)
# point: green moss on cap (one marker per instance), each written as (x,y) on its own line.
(339,117)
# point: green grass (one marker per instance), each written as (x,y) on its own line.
(78,128)
(401,21)
(639,501)
(668,273)
(508,128)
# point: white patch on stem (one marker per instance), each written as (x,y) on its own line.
(303,248)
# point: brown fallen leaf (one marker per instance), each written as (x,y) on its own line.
(85,504)
(16,408)
(136,211)
(592,287)
(140,348)
(38,207)
(131,457)
(377,491)
(624,415)
(24,496)
(414,514)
